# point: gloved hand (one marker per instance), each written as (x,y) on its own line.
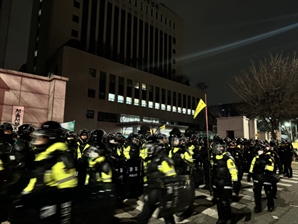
(236,187)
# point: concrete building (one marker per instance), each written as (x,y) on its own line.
(142,34)
(237,127)
(31,99)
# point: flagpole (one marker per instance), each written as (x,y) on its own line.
(208,150)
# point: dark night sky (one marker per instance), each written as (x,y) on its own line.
(222,37)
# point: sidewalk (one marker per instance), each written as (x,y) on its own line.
(295,165)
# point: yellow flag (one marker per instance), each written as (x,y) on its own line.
(201,105)
(162,127)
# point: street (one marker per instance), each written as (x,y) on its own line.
(285,212)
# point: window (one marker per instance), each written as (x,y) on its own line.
(174,51)
(174,26)
(102,86)
(150,104)
(137,90)
(151,12)
(166,20)
(156,94)
(174,109)
(189,111)
(163,107)
(144,91)
(111,97)
(107,117)
(91,93)
(160,18)
(92,72)
(170,23)
(156,15)
(112,84)
(128,88)
(136,102)
(174,40)
(74,33)
(174,61)
(75,18)
(128,100)
(136,3)
(144,103)
(157,106)
(90,114)
(120,90)
(120,99)
(169,108)
(173,71)
(76,4)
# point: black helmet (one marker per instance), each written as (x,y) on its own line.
(49,133)
(175,140)
(175,131)
(153,147)
(134,138)
(144,129)
(218,148)
(97,136)
(25,130)
(83,132)
(6,126)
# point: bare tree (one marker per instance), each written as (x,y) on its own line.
(202,86)
(183,79)
(270,89)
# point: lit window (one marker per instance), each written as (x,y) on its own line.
(144,103)
(39,12)
(35,53)
(184,110)
(189,111)
(157,106)
(120,99)
(193,112)
(128,100)
(179,109)
(143,86)
(111,97)
(150,104)
(136,102)
(163,106)
(169,108)
(174,109)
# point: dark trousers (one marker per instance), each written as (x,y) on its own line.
(152,197)
(288,167)
(206,167)
(222,193)
(258,186)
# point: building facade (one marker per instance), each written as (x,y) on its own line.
(31,99)
(142,34)
(105,94)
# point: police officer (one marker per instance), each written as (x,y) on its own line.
(238,157)
(288,159)
(205,155)
(54,165)
(248,155)
(131,148)
(224,180)
(262,167)
(159,165)
(277,165)
(71,139)
(82,142)
(24,155)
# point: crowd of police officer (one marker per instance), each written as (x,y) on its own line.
(34,160)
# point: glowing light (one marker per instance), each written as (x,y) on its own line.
(240,43)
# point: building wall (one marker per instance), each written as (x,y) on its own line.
(75,64)
(242,126)
(97,25)
(5,10)
(39,98)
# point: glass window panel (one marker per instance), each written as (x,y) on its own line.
(163,106)
(111,97)
(174,109)
(169,108)
(150,104)
(157,106)
(136,102)
(128,100)
(144,103)
(120,99)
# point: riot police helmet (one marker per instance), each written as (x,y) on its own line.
(134,138)
(97,136)
(6,128)
(175,140)
(71,135)
(218,148)
(25,130)
(49,133)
